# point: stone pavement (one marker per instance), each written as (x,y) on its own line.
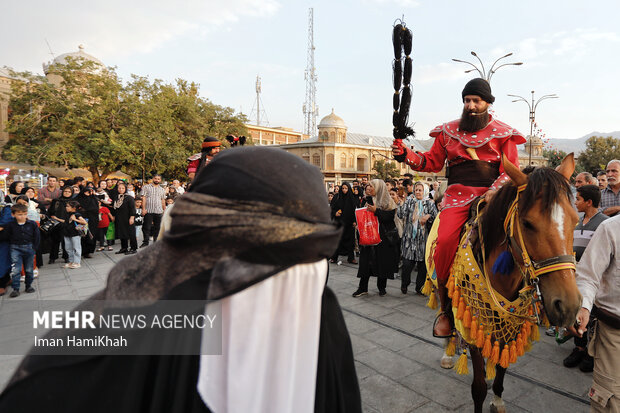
(397,359)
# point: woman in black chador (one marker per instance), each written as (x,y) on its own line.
(380,260)
(90,210)
(124,211)
(343,212)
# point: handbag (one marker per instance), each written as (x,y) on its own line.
(48,225)
(368,227)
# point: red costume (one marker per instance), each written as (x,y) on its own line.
(474,165)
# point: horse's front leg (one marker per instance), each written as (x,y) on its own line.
(497,404)
(479,385)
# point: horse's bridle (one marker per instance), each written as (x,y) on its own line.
(533,269)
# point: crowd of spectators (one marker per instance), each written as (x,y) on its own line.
(72,216)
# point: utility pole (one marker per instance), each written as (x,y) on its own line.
(532,117)
(310,108)
(258,90)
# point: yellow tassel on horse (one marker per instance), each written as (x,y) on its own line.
(455,297)
(427,290)
(535,334)
(520,349)
(451,347)
(450,285)
(461,364)
(513,352)
(473,328)
(461,309)
(432,301)
(480,339)
(467,318)
(495,352)
(487,348)
(490,369)
(504,360)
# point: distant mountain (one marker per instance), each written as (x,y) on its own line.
(578,145)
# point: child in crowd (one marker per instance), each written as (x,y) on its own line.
(102,228)
(73,243)
(139,219)
(24,237)
(169,201)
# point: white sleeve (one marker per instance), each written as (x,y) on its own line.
(594,261)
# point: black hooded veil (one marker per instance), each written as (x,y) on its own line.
(251,213)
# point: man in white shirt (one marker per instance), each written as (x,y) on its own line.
(598,279)
(177,186)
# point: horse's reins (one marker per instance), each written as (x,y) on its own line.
(533,269)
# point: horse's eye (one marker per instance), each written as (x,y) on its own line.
(528,225)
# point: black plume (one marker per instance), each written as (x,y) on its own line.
(396,101)
(397,40)
(407,41)
(407,71)
(398,74)
(242,140)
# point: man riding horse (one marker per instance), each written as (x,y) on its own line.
(473,147)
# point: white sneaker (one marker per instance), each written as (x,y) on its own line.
(67,265)
(35,272)
(74,266)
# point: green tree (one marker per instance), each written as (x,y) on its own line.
(91,120)
(385,170)
(598,152)
(554,157)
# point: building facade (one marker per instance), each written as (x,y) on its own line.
(342,156)
(263,135)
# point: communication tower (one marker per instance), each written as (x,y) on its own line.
(310,108)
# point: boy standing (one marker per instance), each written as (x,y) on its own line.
(24,237)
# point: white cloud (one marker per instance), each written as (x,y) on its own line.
(116,27)
(400,3)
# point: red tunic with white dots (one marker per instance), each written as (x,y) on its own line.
(457,147)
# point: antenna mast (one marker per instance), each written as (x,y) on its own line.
(260,108)
(310,108)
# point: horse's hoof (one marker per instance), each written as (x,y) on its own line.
(499,408)
(447,362)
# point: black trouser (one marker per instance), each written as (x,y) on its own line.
(151,224)
(405,272)
(131,241)
(381,282)
(57,241)
(100,236)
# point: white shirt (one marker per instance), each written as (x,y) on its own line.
(598,271)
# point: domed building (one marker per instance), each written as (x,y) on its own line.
(344,156)
(535,145)
(48,68)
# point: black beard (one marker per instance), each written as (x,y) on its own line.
(473,123)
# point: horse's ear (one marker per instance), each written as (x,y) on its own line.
(513,171)
(567,167)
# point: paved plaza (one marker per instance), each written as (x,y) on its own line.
(397,358)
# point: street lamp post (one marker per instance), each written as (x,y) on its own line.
(532,106)
(481,70)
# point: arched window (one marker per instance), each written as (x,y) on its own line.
(343,161)
(351,161)
(316,160)
(306,157)
(330,161)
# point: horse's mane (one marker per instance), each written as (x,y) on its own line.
(544,184)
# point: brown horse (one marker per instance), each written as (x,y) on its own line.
(538,234)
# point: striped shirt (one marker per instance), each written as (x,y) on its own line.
(609,199)
(583,233)
(154,194)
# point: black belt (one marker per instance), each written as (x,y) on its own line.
(606,317)
(473,173)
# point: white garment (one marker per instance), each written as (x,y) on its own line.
(270,338)
(598,271)
(180,190)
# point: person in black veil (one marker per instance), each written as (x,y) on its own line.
(90,211)
(255,237)
(343,213)
(124,211)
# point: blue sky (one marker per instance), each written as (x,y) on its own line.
(570,48)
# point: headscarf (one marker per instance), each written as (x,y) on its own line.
(382,198)
(418,210)
(346,203)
